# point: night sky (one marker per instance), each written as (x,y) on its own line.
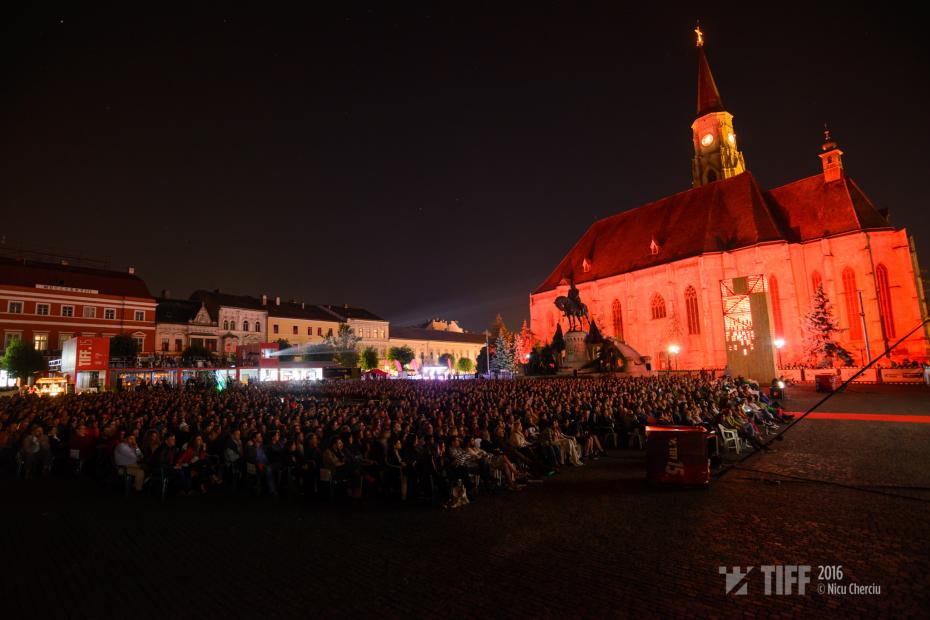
(427,162)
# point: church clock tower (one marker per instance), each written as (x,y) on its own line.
(715,154)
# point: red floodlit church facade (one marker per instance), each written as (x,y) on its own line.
(652,276)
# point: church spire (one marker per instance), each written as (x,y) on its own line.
(708,97)
(716,156)
(832,157)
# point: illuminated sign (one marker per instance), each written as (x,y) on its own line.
(67,289)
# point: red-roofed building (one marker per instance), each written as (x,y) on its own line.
(651,276)
(46,304)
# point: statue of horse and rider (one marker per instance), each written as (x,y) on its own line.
(573,309)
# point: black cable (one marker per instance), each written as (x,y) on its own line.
(852,487)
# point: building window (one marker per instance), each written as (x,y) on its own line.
(178,344)
(164,345)
(225,325)
(140,315)
(616,313)
(232,326)
(140,342)
(245,326)
(15,307)
(67,311)
(816,281)
(691,308)
(63,337)
(851,296)
(653,247)
(319,331)
(90,312)
(42,309)
(294,330)
(586,265)
(40,341)
(776,306)
(109,314)
(274,328)
(329,332)
(258,326)
(884,300)
(11,337)
(658,307)
(310,330)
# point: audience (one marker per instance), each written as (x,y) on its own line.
(402,439)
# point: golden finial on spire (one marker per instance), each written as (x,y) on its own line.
(700,35)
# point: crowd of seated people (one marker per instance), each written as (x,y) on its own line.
(399,439)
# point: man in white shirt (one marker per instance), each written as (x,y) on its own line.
(128,455)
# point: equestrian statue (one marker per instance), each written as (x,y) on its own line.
(572,308)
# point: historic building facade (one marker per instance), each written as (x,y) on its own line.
(430,342)
(47,304)
(651,276)
(182,323)
(241,319)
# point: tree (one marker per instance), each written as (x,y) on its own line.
(447,360)
(196,352)
(22,361)
(525,341)
(504,353)
(124,346)
(344,346)
(558,343)
(369,359)
(465,365)
(403,354)
(482,362)
(498,328)
(819,327)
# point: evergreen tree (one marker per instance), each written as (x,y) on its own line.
(503,358)
(819,327)
(558,341)
(524,341)
(594,335)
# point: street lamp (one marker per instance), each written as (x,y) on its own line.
(673,349)
(779,343)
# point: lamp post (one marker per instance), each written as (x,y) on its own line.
(673,349)
(779,343)
(487,352)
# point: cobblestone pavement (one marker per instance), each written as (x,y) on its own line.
(592,542)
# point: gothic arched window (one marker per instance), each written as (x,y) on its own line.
(816,281)
(658,307)
(691,307)
(884,299)
(776,306)
(851,296)
(617,316)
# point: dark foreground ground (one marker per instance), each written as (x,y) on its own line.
(592,542)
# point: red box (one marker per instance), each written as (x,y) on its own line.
(677,455)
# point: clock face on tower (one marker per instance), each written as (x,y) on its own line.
(707,139)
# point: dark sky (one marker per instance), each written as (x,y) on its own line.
(428,162)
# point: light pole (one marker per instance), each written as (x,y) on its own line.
(779,343)
(487,352)
(673,349)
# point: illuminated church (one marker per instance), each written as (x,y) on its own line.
(651,276)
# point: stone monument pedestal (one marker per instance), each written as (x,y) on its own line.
(576,354)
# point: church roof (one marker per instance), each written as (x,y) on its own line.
(721,216)
(811,208)
(708,97)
